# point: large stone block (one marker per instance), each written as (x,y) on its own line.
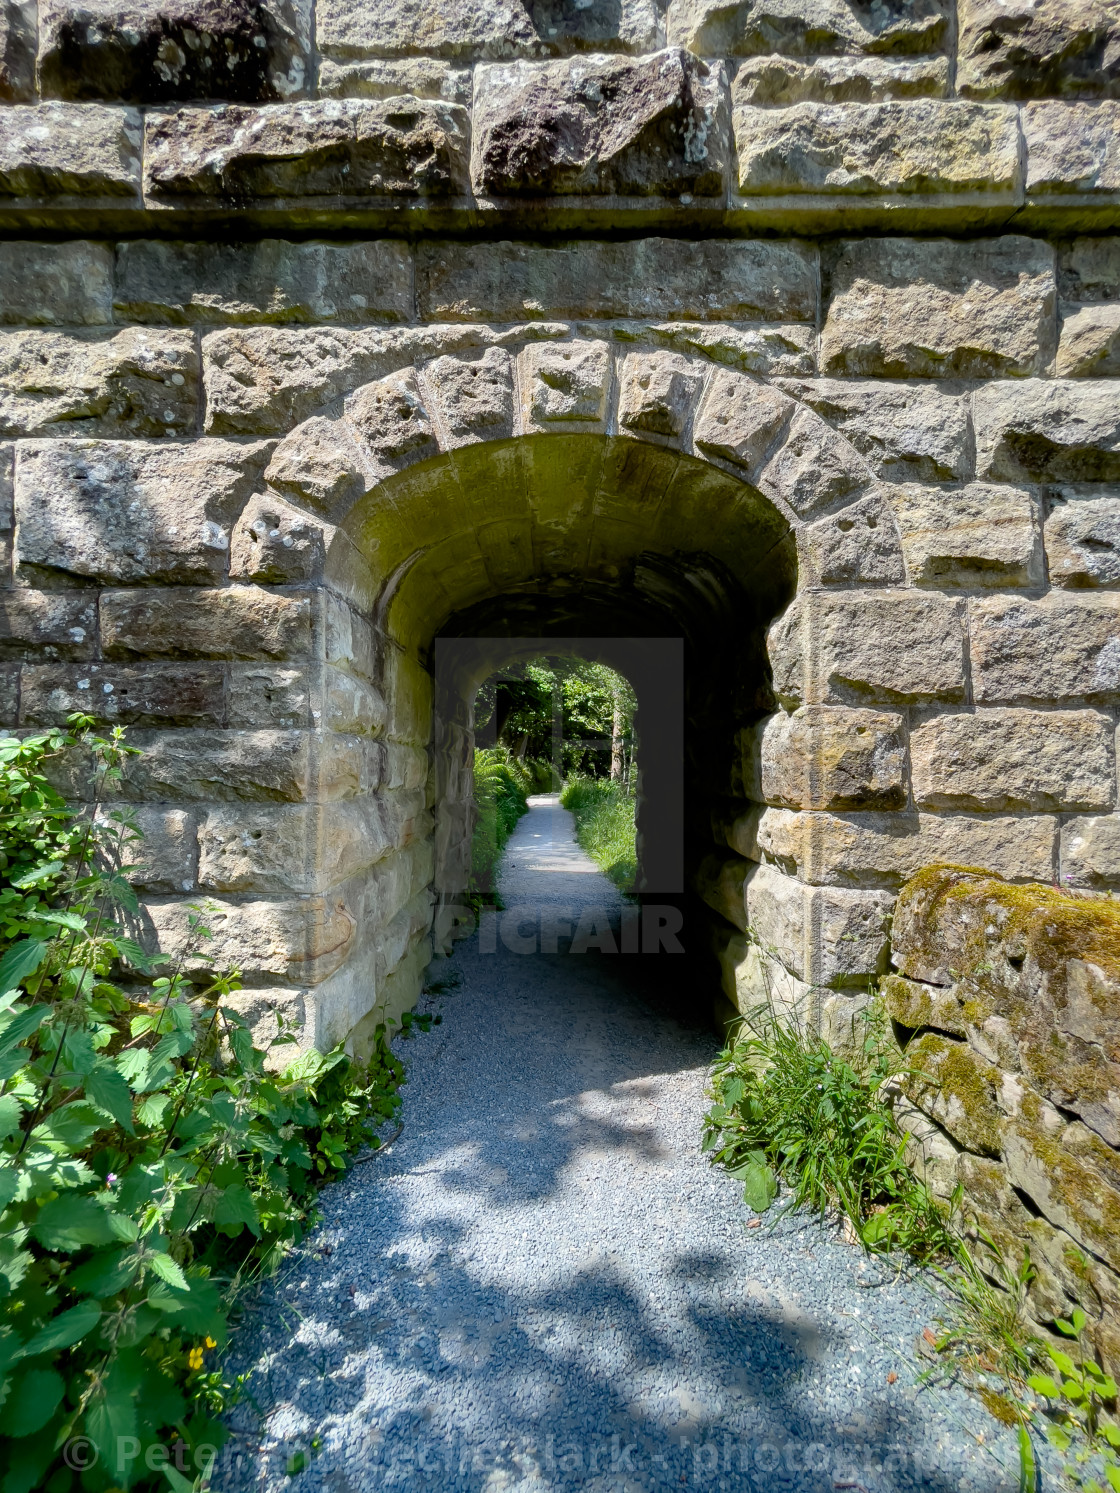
(234,622)
(157,51)
(475,396)
(300,940)
(269,280)
(740,420)
(167,856)
(302,848)
(320,466)
(955,1087)
(55,285)
(421,77)
(1090,852)
(1060,649)
(1022,49)
(564,386)
(1082,538)
(114,694)
(1071,147)
(270,695)
(767,81)
(980,535)
(799,28)
(656,393)
(391,423)
(824,935)
(922,145)
(131,383)
(125,512)
(503,28)
(1089,342)
(860,543)
(650,278)
(62,150)
(862,647)
(219,766)
(1014,759)
(1048,430)
(330,148)
(44,624)
(929,309)
(813,469)
(827,757)
(277,545)
(18,26)
(650,127)
(907,432)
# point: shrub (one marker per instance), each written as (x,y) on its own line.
(500,801)
(604,817)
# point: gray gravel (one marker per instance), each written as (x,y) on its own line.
(542,1285)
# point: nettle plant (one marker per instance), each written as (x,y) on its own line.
(154,1161)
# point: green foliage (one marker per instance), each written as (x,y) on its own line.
(152,1164)
(1079,1392)
(589,697)
(604,817)
(985,1331)
(500,801)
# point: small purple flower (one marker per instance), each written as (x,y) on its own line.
(111,1180)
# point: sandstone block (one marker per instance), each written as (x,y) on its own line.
(751,978)
(839,648)
(264,380)
(391,423)
(55,284)
(1082,540)
(654,126)
(1024,49)
(275,544)
(167,857)
(806,27)
(980,535)
(131,383)
(60,150)
(263,695)
(329,148)
(959,1090)
(827,757)
(234,622)
(922,145)
(219,766)
(350,642)
(351,705)
(1089,269)
(1048,430)
(910,308)
(270,280)
(1071,147)
(1059,649)
(123,512)
(823,935)
(813,469)
(565,384)
(347,28)
(740,420)
(18,26)
(475,396)
(656,393)
(1014,759)
(766,81)
(709,280)
(144,695)
(860,543)
(320,465)
(155,51)
(907,432)
(45,624)
(769,351)
(300,848)
(1089,342)
(914,1004)
(301,941)
(1090,852)
(422,77)
(1069,1174)
(721,882)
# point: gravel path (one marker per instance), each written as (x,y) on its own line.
(542,1285)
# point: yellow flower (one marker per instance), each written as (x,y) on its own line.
(194,1358)
(211,1342)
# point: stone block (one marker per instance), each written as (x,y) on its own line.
(269,280)
(166,859)
(350,642)
(1057,650)
(275,544)
(824,935)
(48,625)
(720,881)
(157,51)
(269,695)
(329,148)
(505,28)
(350,704)
(828,757)
(860,543)
(740,420)
(115,511)
(998,760)
(301,941)
(1069,1174)
(1089,269)
(475,396)
(235,622)
(915,1004)
(813,469)
(912,308)
(1082,538)
(803,28)
(1024,49)
(118,695)
(751,978)
(320,466)
(63,150)
(779,80)
(1090,852)
(301,848)
(1071,147)
(130,383)
(980,535)
(391,423)
(653,126)
(564,385)
(219,766)
(955,1087)
(1089,342)
(922,146)
(649,278)
(1048,430)
(865,647)
(265,380)
(657,391)
(53,285)
(420,77)
(906,432)
(18,26)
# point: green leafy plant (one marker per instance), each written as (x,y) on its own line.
(500,802)
(604,815)
(1079,1393)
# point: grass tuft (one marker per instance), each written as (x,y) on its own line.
(604,817)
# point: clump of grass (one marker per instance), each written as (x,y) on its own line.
(604,816)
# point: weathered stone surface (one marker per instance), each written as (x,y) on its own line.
(678,279)
(219,766)
(132,383)
(266,379)
(1062,648)
(768,351)
(740,420)
(52,150)
(55,285)
(907,432)
(1089,342)
(41,624)
(657,392)
(915,1005)
(519,28)
(264,695)
(767,81)
(565,385)
(292,847)
(124,512)
(421,77)
(1014,759)
(924,145)
(1089,269)
(1048,430)
(143,695)
(333,147)
(1023,49)
(158,51)
(391,423)
(825,757)
(320,465)
(799,28)
(18,25)
(958,1090)
(1082,540)
(1090,852)
(860,543)
(980,535)
(649,127)
(302,941)
(168,853)
(475,396)
(234,622)
(930,309)
(785,915)
(1071,147)
(863,647)
(814,469)
(276,544)
(270,280)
